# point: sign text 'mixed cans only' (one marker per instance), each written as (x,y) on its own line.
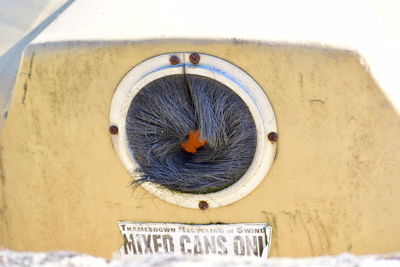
(247,239)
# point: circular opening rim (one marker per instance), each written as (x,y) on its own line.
(224,72)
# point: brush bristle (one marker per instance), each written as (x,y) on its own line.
(160,118)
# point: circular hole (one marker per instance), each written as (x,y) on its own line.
(190,143)
(190,134)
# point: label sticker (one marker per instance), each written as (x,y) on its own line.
(247,239)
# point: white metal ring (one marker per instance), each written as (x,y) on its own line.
(224,72)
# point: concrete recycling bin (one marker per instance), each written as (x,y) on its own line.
(332,182)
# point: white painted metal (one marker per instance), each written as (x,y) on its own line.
(370,28)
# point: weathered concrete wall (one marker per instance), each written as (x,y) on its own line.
(333,187)
(20,22)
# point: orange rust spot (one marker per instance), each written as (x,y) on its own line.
(193,143)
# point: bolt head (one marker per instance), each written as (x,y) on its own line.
(273,137)
(203,205)
(113,129)
(174,60)
(194,58)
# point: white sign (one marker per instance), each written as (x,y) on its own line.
(248,239)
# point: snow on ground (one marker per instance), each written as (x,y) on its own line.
(11,258)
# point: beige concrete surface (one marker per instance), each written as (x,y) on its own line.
(333,187)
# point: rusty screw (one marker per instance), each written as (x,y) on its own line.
(194,58)
(203,205)
(273,137)
(113,129)
(174,60)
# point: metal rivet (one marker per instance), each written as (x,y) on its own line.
(113,129)
(203,205)
(194,58)
(273,137)
(174,60)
